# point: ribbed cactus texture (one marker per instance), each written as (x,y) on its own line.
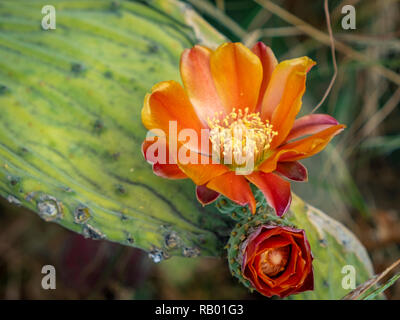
(70,134)
(70,126)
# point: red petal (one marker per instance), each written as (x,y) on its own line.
(205,195)
(292,170)
(169,171)
(308,283)
(269,62)
(234,187)
(165,170)
(152,157)
(311,124)
(275,189)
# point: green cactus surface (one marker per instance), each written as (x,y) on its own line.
(70,125)
(71,133)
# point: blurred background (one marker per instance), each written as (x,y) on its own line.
(355,180)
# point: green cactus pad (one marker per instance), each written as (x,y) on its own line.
(70,124)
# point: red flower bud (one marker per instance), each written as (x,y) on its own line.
(277,260)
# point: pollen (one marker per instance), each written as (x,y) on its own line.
(239,137)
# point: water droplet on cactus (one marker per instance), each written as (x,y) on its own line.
(49,208)
(156,255)
(81,214)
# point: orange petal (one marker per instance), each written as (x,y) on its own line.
(275,189)
(269,62)
(198,82)
(234,187)
(311,145)
(282,100)
(310,124)
(203,170)
(237,74)
(168,103)
(270,164)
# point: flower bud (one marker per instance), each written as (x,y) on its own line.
(271,256)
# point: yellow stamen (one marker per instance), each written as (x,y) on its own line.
(240,136)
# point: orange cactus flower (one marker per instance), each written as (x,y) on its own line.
(229,90)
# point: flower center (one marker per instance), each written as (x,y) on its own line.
(274,261)
(240,137)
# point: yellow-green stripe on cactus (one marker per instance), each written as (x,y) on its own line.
(71,133)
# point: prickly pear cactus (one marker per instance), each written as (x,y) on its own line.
(70,129)
(70,133)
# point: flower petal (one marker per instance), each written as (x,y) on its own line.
(310,124)
(149,156)
(237,74)
(292,170)
(297,274)
(205,195)
(311,145)
(269,62)
(169,103)
(275,189)
(198,82)
(282,100)
(308,282)
(234,187)
(203,171)
(270,164)
(169,171)
(291,266)
(300,149)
